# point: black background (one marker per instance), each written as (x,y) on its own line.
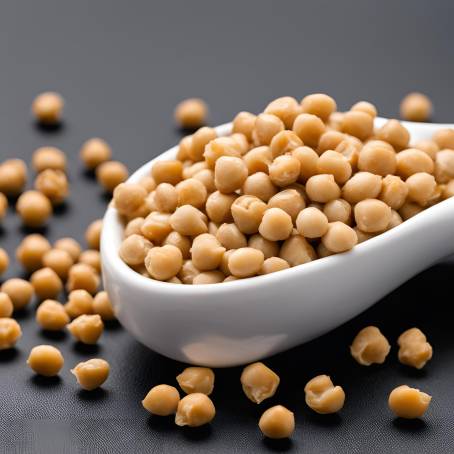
(122,66)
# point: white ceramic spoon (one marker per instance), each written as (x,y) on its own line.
(242,321)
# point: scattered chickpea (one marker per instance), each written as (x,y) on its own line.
(20,292)
(93,234)
(110,174)
(91,374)
(4,261)
(259,382)
(13,176)
(48,158)
(87,328)
(79,302)
(51,315)
(191,113)
(53,184)
(196,380)
(6,305)
(10,333)
(3,205)
(414,350)
(194,410)
(370,346)
(416,107)
(322,396)
(162,400)
(47,108)
(277,422)
(94,152)
(92,258)
(102,306)
(34,208)
(82,276)
(46,283)
(45,360)
(70,245)
(408,403)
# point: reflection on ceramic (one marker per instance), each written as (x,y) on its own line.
(242,321)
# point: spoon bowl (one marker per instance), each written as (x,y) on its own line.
(238,322)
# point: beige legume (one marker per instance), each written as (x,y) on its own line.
(395,134)
(51,315)
(34,208)
(412,161)
(377,157)
(110,174)
(45,360)
(258,159)
(322,396)
(48,158)
(308,128)
(286,108)
(311,223)
(82,276)
(91,374)
(157,226)
(338,210)
(102,306)
(358,124)
(94,152)
(277,422)
(273,264)
(284,142)
(79,302)
(10,333)
(70,245)
(46,283)
(129,197)
(6,305)
(191,113)
(247,212)
(296,251)
(194,410)
(230,236)
(86,328)
(370,346)
(245,262)
(93,234)
(259,382)
(289,200)
(372,215)
(206,252)
(244,123)
(134,249)
(183,243)
(13,176)
(196,380)
(162,400)
(230,173)
(208,277)
(322,188)
(259,185)
(330,140)
(318,104)
(364,106)
(20,292)
(276,225)
(414,350)
(421,187)
(308,159)
(394,191)
(164,262)
(268,247)
(339,237)
(416,107)
(334,163)
(31,251)
(429,147)
(408,403)
(47,108)
(188,272)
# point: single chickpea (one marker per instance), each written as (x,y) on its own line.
(191,192)
(4,261)
(244,123)
(412,161)
(222,146)
(370,346)
(429,147)
(372,215)
(308,159)
(187,220)
(408,403)
(53,184)
(48,158)
(51,315)
(366,107)
(444,138)
(395,134)
(110,174)
(363,236)
(206,252)
(329,140)
(284,142)
(162,400)
(444,166)
(339,237)
(259,382)
(338,210)
(323,251)
(259,185)
(416,107)
(230,236)
(31,251)
(164,262)
(206,177)
(200,139)
(188,272)
(196,380)
(448,191)
(194,410)
(286,108)
(46,283)
(87,328)
(332,162)
(277,422)
(266,127)
(358,124)
(289,200)
(133,227)
(319,104)
(13,176)
(47,108)
(421,187)
(247,212)
(45,360)
(394,191)
(362,185)
(322,396)
(309,129)
(284,170)
(268,247)
(82,276)
(181,242)
(230,173)
(10,333)
(70,245)
(20,292)
(395,220)
(245,262)
(157,226)
(258,159)
(273,264)
(129,197)
(350,148)
(94,152)
(296,251)
(91,374)
(148,183)
(134,249)
(34,208)
(93,234)
(218,206)
(414,350)
(191,113)
(242,142)
(208,277)
(213,228)
(6,305)
(377,157)
(311,223)
(322,188)
(3,205)
(91,257)
(276,225)
(410,209)
(184,148)
(79,302)
(102,306)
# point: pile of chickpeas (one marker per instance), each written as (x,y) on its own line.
(298,182)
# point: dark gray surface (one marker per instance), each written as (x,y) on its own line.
(122,66)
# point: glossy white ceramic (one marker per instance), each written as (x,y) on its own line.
(242,321)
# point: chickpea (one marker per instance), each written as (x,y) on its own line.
(444,138)
(247,212)
(448,191)
(191,192)
(363,236)
(34,208)
(230,173)
(372,215)
(87,328)
(218,206)
(286,108)
(408,403)
(31,251)
(13,176)
(51,315)
(311,223)
(188,272)
(6,305)
(20,292)
(370,346)
(46,283)
(266,127)
(200,139)
(309,129)
(45,360)
(330,140)
(259,382)
(91,374)
(414,350)
(183,243)
(395,134)
(259,185)
(273,264)
(79,302)
(47,108)
(81,276)
(194,410)
(206,252)
(444,166)
(222,146)
(110,174)
(134,227)
(308,159)
(322,188)
(350,148)
(338,210)
(3,205)
(284,170)
(148,183)
(184,148)
(410,209)
(244,123)
(10,333)
(94,152)
(162,400)
(289,200)
(191,113)
(164,262)
(4,261)
(102,306)
(322,396)
(258,159)
(53,184)
(277,422)
(421,187)
(157,226)
(134,249)
(93,234)
(213,228)
(48,158)
(416,107)
(245,262)
(412,161)
(187,220)
(70,245)
(429,147)
(208,277)
(358,124)
(230,236)
(377,157)
(318,104)
(196,380)
(92,258)
(366,107)
(276,225)
(268,247)
(339,237)
(284,142)
(296,251)
(230,279)
(332,162)
(394,191)
(129,197)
